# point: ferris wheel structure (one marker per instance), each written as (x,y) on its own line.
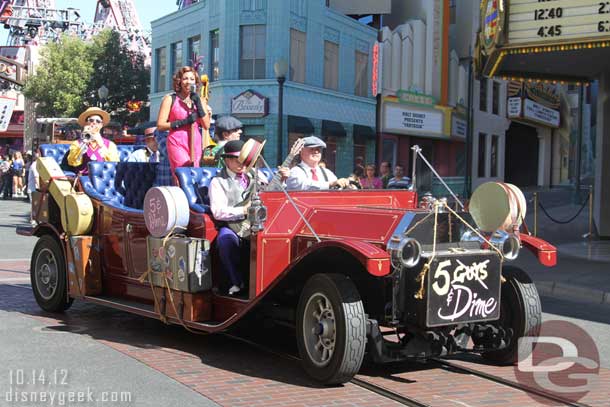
(121,15)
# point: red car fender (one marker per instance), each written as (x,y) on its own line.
(372,257)
(546,253)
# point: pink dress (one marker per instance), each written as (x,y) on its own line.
(374,183)
(178,140)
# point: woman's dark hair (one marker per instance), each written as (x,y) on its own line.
(177,78)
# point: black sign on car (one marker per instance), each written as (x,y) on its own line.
(463,287)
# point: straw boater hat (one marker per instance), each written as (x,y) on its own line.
(250,152)
(82,119)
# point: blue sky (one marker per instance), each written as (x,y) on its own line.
(148,10)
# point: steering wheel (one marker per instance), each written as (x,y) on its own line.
(355,183)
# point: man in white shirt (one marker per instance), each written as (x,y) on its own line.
(150,153)
(308,175)
(229,202)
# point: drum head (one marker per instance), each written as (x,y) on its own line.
(490,206)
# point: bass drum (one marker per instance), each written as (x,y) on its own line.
(166,211)
(498,205)
(77,214)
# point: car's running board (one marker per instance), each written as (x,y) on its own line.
(149,311)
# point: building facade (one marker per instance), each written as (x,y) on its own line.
(424,93)
(327,91)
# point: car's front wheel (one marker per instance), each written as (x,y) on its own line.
(331,328)
(48,275)
(520,311)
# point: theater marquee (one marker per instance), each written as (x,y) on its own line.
(553,41)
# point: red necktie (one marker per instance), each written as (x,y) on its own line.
(314,174)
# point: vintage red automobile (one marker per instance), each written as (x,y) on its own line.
(345,268)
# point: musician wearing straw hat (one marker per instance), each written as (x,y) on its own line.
(91,146)
(150,153)
(308,174)
(230,193)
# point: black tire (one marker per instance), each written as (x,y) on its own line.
(341,327)
(520,310)
(48,275)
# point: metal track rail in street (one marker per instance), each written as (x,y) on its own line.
(447,365)
(382,391)
(374,388)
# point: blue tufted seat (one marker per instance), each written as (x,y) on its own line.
(195,183)
(57,152)
(120,185)
(125,150)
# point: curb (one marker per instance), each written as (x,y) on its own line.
(570,292)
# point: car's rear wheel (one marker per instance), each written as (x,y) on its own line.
(520,310)
(48,275)
(331,328)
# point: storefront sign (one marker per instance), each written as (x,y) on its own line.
(459,126)
(376,71)
(413,121)
(6,111)
(534,21)
(415,98)
(492,22)
(250,104)
(11,71)
(513,107)
(540,113)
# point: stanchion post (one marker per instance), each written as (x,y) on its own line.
(535,214)
(590,211)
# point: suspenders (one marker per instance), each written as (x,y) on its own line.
(322,169)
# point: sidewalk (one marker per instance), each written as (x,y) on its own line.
(583,265)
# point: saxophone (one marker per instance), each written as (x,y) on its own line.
(207,158)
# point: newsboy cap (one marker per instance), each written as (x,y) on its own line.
(313,141)
(232,148)
(227,123)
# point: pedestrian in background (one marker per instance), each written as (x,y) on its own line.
(399,181)
(33,181)
(385,173)
(18,172)
(6,170)
(177,114)
(370,181)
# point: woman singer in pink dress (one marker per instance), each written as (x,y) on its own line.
(177,114)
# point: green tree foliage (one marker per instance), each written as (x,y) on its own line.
(61,79)
(71,72)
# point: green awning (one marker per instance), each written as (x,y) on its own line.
(297,124)
(364,131)
(332,128)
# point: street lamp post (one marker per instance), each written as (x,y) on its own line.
(280,68)
(102,92)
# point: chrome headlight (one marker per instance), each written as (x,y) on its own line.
(508,243)
(404,252)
